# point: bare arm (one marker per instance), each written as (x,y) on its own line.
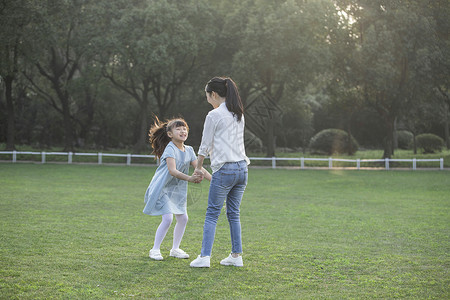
(171,165)
(200,160)
(199,168)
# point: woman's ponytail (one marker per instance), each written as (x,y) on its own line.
(225,87)
(233,100)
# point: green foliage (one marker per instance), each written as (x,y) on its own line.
(151,49)
(391,63)
(331,141)
(277,71)
(429,142)
(74,236)
(405,139)
(388,56)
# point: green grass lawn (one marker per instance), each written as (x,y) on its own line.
(78,232)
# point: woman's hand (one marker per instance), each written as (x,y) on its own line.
(199,170)
(196,177)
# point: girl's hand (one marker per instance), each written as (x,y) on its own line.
(196,178)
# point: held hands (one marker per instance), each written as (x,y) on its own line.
(198,176)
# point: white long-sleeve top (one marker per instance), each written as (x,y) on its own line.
(223,138)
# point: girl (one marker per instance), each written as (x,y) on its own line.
(223,141)
(167,193)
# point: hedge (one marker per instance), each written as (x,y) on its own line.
(333,141)
(430,143)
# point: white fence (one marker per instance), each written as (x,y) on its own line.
(358,162)
(386,162)
(70,155)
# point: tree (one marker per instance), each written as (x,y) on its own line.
(440,65)
(283,48)
(17,37)
(64,44)
(393,37)
(152,48)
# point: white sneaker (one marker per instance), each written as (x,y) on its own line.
(178,253)
(201,262)
(155,254)
(232,261)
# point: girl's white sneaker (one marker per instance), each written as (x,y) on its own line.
(201,262)
(155,254)
(178,253)
(232,261)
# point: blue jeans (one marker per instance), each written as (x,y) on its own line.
(228,183)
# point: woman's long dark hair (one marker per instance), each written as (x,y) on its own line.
(158,134)
(225,87)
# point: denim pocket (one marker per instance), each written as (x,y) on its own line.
(227,178)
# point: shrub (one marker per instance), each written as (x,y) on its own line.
(429,142)
(405,139)
(333,141)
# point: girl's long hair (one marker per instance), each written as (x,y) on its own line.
(158,134)
(226,87)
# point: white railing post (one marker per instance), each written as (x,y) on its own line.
(386,163)
(414,164)
(128,159)
(302,162)
(330,163)
(14,158)
(43,157)
(441,163)
(274,162)
(99,158)
(69,158)
(358,163)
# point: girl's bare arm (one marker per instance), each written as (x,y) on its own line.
(171,165)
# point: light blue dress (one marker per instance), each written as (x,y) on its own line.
(167,194)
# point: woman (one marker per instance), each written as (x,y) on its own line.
(223,141)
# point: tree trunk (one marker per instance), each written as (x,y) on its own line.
(63,97)
(59,76)
(11,130)
(89,112)
(68,128)
(446,127)
(389,140)
(395,136)
(349,135)
(143,128)
(270,138)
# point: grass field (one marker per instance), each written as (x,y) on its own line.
(78,232)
